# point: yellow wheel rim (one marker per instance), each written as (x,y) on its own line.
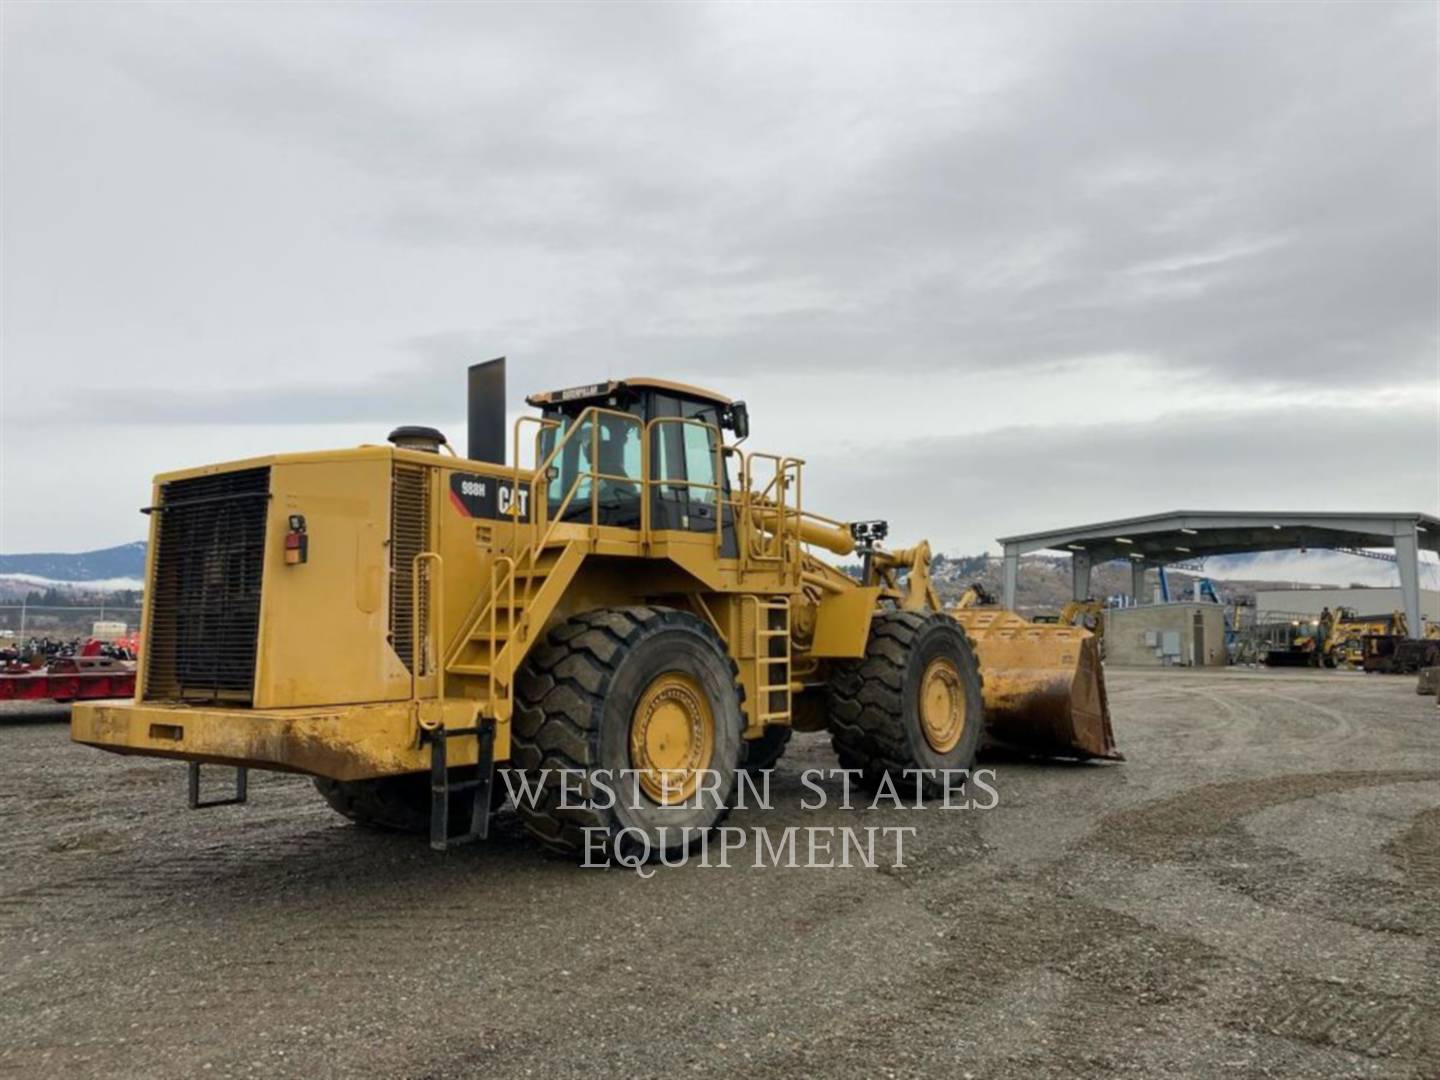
(942,705)
(672,737)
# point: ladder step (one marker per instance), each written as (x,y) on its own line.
(479,788)
(477,670)
(481,635)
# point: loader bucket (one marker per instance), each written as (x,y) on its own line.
(1044,686)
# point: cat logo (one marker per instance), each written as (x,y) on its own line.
(511,496)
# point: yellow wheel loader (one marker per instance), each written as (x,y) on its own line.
(639,609)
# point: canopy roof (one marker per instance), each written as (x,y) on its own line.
(1181,535)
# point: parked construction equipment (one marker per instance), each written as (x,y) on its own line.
(1335,639)
(44,669)
(1344,638)
(644,597)
(1398,654)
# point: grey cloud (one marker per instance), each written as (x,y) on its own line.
(1076,212)
(970,488)
(1241,195)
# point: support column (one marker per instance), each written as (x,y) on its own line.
(1407,557)
(1080,575)
(1137,581)
(1010,578)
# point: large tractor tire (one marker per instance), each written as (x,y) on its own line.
(648,689)
(764,752)
(399,803)
(912,702)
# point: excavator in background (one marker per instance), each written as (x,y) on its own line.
(644,599)
(1088,614)
(975,595)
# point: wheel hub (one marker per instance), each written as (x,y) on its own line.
(942,705)
(672,737)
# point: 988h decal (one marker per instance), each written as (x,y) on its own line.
(489,497)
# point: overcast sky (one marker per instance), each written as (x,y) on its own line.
(989,269)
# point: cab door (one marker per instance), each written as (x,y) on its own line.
(682,455)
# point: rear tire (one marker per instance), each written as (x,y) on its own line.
(764,752)
(400,803)
(912,702)
(608,685)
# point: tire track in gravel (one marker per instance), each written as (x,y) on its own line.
(1416,852)
(1161,830)
(1201,826)
(372,957)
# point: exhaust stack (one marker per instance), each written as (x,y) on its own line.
(485,397)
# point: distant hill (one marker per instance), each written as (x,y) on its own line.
(125,561)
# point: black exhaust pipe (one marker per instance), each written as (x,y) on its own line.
(486,412)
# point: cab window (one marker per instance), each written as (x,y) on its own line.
(700,462)
(685,453)
(617,445)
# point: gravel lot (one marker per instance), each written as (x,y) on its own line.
(1255,893)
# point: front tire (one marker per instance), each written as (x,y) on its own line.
(912,702)
(638,702)
(399,803)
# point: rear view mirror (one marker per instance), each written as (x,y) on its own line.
(740,420)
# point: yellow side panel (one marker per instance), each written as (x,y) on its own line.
(842,623)
(324,623)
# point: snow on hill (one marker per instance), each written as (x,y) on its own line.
(81,573)
(96,585)
(127,562)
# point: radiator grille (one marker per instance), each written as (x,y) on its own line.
(205,596)
(409,536)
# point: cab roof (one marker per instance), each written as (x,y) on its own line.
(612,386)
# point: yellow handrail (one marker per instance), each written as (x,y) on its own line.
(786,477)
(508,579)
(593,474)
(542,424)
(767,522)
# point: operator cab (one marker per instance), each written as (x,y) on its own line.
(687,493)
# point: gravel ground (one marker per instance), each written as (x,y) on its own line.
(1255,893)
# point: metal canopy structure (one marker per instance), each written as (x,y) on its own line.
(1184,535)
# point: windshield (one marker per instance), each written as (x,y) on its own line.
(616,443)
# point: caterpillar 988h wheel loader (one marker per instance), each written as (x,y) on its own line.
(643,601)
